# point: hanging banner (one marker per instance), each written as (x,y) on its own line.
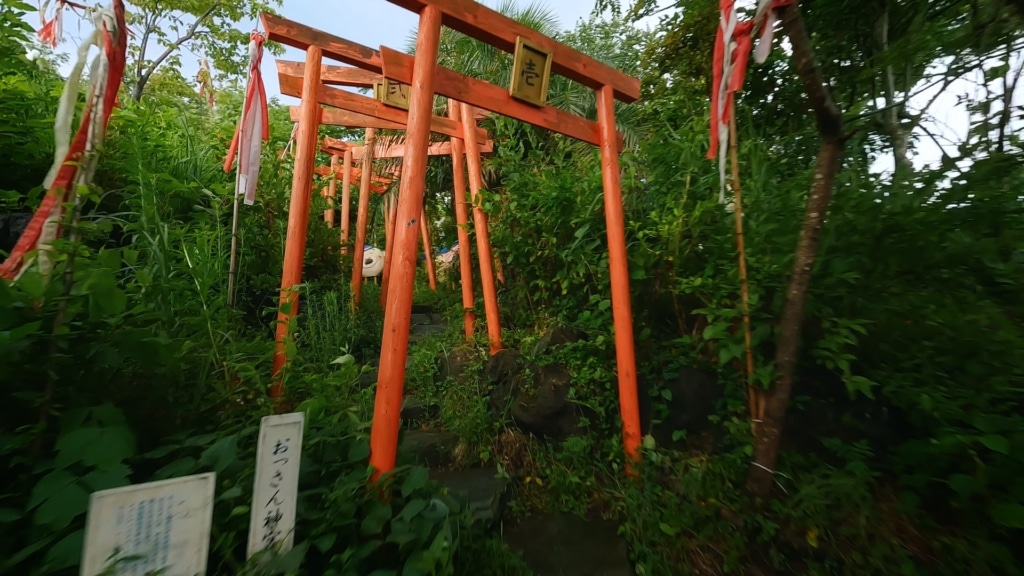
(276,485)
(154,528)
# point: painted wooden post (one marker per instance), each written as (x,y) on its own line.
(428,250)
(298,211)
(462,220)
(389,247)
(397,316)
(346,198)
(362,215)
(622,313)
(332,186)
(483,240)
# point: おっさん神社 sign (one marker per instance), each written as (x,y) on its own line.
(276,485)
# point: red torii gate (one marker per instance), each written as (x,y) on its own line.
(425,78)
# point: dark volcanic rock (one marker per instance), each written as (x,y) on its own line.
(694,394)
(537,396)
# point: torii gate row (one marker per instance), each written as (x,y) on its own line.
(427,78)
(352,111)
(334,146)
(355,111)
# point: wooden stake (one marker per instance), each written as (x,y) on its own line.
(462,220)
(346,198)
(362,214)
(425,232)
(483,241)
(622,313)
(397,316)
(298,213)
(390,209)
(754,397)
(233,262)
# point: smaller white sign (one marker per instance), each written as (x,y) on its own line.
(276,485)
(144,528)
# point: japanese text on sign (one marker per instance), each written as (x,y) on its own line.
(395,94)
(531,72)
(142,529)
(276,485)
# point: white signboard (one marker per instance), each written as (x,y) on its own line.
(276,486)
(144,528)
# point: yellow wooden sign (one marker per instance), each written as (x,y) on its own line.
(395,94)
(531,73)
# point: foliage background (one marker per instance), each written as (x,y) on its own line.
(903,448)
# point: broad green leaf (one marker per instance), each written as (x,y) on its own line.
(72,446)
(114,477)
(325,542)
(418,478)
(377,515)
(67,552)
(62,507)
(48,486)
(996,443)
(114,446)
(413,508)
(221,454)
(1007,514)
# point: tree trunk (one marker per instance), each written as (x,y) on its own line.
(829,120)
(899,135)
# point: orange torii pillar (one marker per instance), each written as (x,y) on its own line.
(398,312)
(483,237)
(363,212)
(298,213)
(331,191)
(462,221)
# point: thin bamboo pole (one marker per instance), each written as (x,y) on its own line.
(429,252)
(754,397)
(346,198)
(390,213)
(233,263)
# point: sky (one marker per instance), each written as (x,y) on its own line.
(379,22)
(369,22)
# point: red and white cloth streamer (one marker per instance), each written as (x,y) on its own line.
(254,127)
(732,50)
(75,160)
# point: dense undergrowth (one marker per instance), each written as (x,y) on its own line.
(903,450)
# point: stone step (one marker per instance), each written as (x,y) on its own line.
(415,410)
(416,319)
(426,447)
(565,545)
(480,489)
